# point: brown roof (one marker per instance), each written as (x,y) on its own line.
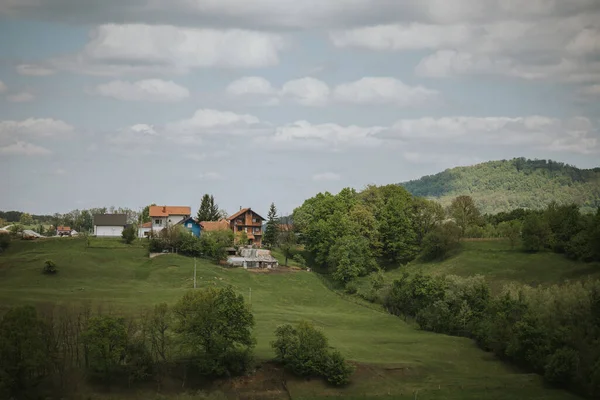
(63,228)
(110,219)
(147,225)
(209,226)
(243,211)
(165,211)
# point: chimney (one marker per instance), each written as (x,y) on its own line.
(164,209)
(240,208)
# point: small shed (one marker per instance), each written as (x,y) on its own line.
(63,231)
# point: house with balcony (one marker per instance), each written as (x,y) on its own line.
(250,222)
(164,216)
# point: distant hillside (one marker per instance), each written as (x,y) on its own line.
(504,185)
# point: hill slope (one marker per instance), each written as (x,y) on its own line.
(504,185)
(396,360)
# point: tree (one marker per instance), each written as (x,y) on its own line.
(215,243)
(440,242)
(129,234)
(427,215)
(26,219)
(106,339)
(350,257)
(535,233)
(209,210)
(216,330)
(25,357)
(270,236)
(242,238)
(511,230)
(16,230)
(4,241)
(145,214)
(2,222)
(464,212)
(396,227)
(287,242)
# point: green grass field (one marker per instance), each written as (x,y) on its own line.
(396,360)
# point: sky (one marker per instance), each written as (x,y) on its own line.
(160,101)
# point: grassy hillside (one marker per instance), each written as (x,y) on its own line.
(505,185)
(396,360)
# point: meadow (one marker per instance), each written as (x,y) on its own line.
(394,359)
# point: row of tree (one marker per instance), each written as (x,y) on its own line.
(206,334)
(553,331)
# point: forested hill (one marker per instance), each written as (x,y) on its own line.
(504,185)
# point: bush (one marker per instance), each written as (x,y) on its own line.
(299,260)
(50,267)
(535,233)
(351,288)
(129,234)
(441,242)
(305,351)
(4,241)
(562,366)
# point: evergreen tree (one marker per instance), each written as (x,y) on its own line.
(270,238)
(209,210)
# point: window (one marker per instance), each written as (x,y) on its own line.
(240,229)
(254,219)
(189,225)
(256,229)
(157,222)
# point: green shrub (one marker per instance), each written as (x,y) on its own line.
(562,366)
(351,288)
(336,370)
(4,241)
(299,260)
(129,234)
(535,233)
(50,267)
(441,242)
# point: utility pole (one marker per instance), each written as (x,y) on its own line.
(250,297)
(194,272)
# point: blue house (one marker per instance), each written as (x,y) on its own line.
(191,225)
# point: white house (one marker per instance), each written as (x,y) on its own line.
(144,229)
(163,216)
(109,225)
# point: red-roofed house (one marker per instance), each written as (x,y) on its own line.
(163,216)
(248,221)
(63,231)
(144,229)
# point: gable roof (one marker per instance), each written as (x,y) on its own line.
(165,211)
(110,219)
(243,211)
(186,220)
(63,228)
(210,226)
(146,225)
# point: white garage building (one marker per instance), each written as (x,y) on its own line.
(109,225)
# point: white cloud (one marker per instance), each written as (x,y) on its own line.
(3,87)
(24,149)
(303,134)
(250,85)
(307,91)
(383,90)
(326,176)
(35,127)
(576,135)
(143,49)
(136,134)
(21,97)
(210,176)
(34,70)
(155,90)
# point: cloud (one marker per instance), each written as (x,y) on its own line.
(449,160)
(577,135)
(154,90)
(210,176)
(313,92)
(306,91)
(34,70)
(591,90)
(303,134)
(35,127)
(164,49)
(250,85)
(326,176)
(3,87)
(138,134)
(383,90)
(24,149)
(20,97)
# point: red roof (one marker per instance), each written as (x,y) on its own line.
(209,226)
(63,229)
(165,211)
(147,225)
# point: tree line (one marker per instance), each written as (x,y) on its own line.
(553,331)
(207,334)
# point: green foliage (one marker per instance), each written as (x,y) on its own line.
(465,213)
(209,210)
(518,183)
(215,327)
(129,234)
(25,357)
(564,223)
(441,242)
(562,366)
(288,242)
(427,215)
(106,340)
(26,219)
(271,231)
(50,267)
(351,287)
(511,230)
(349,258)
(145,215)
(16,230)
(298,259)
(305,351)
(535,233)
(241,239)
(215,243)
(4,241)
